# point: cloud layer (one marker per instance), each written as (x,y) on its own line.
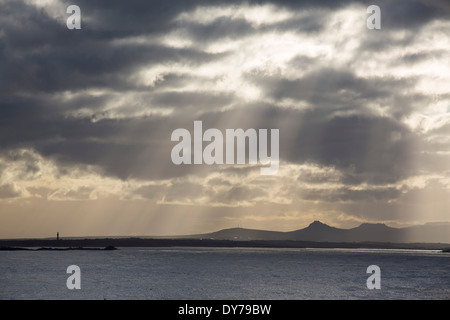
(364,115)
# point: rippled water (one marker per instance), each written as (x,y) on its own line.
(225,273)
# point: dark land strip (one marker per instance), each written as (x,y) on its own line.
(113,243)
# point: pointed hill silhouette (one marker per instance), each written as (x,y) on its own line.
(320,232)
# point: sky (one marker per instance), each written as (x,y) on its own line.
(86,115)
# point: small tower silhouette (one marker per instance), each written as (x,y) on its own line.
(57,236)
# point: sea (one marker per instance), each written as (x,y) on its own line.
(188,273)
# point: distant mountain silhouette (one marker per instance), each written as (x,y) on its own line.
(318,231)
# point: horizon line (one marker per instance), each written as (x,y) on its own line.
(206,233)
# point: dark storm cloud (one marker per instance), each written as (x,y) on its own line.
(116,18)
(399,14)
(197,100)
(29,121)
(40,57)
(332,88)
(59,59)
(349,195)
(88,66)
(378,42)
(222,27)
(26,27)
(40,54)
(365,148)
(313,23)
(407,14)
(128,148)
(418,57)
(375,150)
(241,193)
(342,90)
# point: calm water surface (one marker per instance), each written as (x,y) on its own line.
(225,273)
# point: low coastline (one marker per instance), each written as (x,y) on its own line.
(114,243)
(7,248)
